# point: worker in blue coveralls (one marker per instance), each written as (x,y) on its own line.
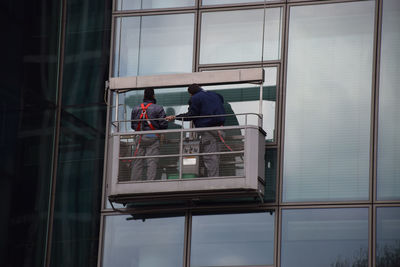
(203,103)
(147,144)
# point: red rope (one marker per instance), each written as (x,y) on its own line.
(223,141)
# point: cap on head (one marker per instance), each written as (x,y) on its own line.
(194,88)
(149,93)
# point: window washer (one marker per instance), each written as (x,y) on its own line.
(147,144)
(203,103)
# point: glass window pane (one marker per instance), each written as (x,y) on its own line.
(324,237)
(233,240)
(388,237)
(388,170)
(149,45)
(236,36)
(146,4)
(143,243)
(328,102)
(227,2)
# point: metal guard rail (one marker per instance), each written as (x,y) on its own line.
(181,162)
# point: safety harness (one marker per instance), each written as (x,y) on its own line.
(143,114)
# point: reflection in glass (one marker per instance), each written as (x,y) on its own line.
(324,237)
(236,36)
(328,102)
(388,171)
(388,237)
(233,240)
(146,4)
(149,45)
(143,243)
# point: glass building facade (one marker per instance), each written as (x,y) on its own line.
(329,106)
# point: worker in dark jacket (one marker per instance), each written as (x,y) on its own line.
(147,144)
(203,103)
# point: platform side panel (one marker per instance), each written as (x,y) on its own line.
(181,186)
(261,156)
(108,172)
(115,140)
(252,161)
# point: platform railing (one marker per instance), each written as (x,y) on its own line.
(154,161)
(183,153)
(242,119)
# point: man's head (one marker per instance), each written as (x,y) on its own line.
(149,93)
(194,88)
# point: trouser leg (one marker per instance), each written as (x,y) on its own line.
(152,163)
(137,166)
(211,162)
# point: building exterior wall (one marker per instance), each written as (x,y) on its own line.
(330,111)
(325,62)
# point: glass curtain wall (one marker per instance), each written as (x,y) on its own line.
(136,53)
(81,142)
(326,157)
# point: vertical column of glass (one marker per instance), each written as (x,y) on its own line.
(150,45)
(328,102)
(388,157)
(81,142)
